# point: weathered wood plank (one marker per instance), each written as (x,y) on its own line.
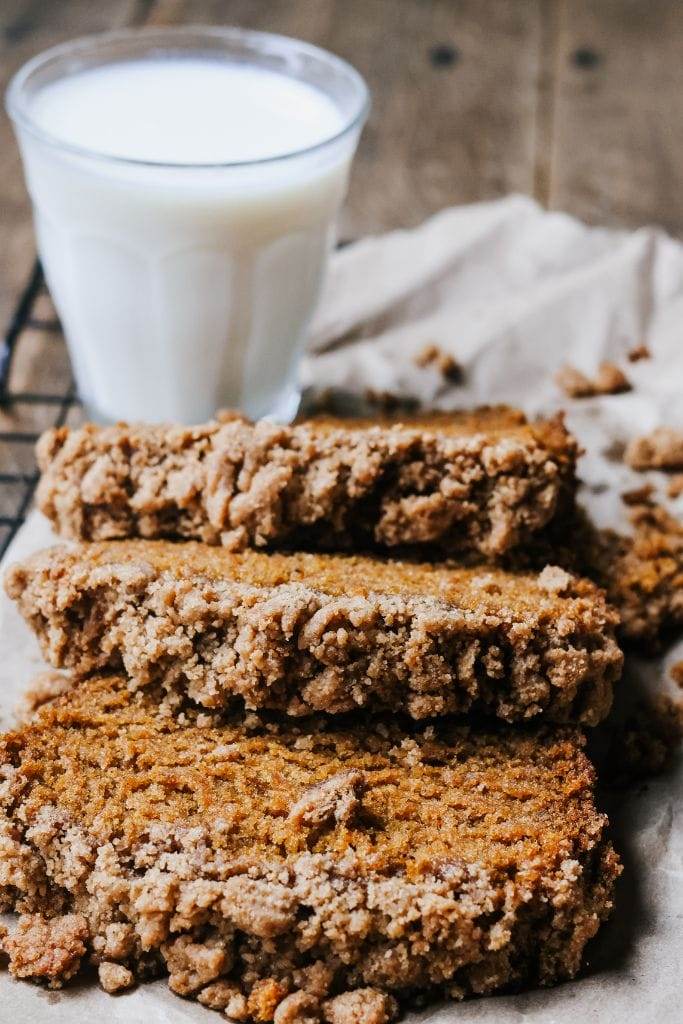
(26,28)
(548,42)
(454,93)
(617,150)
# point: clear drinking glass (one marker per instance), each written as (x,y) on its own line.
(186,288)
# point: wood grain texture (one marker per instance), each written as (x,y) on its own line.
(617,143)
(26,28)
(454,87)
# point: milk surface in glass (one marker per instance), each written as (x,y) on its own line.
(184,207)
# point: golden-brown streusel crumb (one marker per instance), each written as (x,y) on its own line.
(676,673)
(643,495)
(47,949)
(675,486)
(608,380)
(427,355)
(639,352)
(573,382)
(362,1006)
(314,632)
(661,449)
(482,481)
(224,995)
(471,861)
(114,977)
(446,364)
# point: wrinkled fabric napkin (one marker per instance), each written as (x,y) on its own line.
(511,292)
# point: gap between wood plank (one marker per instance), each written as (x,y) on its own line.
(551,21)
(141,12)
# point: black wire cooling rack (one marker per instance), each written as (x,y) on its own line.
(25,412)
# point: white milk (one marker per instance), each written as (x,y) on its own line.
(184,288)
(185,110)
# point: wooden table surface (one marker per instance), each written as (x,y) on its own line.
(577,102)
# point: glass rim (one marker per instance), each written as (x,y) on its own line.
(17,107)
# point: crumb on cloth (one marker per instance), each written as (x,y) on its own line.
(609,380)
(638,495)
(639,352)
(662,448)
(675,488)
(676,673)
(114,977)
(614,451)
(446,364)
(573,382)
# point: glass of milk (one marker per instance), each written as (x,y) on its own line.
(185,184)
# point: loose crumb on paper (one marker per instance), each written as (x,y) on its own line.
(47,949)
(114,977)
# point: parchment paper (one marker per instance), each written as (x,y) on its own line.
(512,292)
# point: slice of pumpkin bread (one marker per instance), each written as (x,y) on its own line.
(257,862)
(304,632)
(483,481)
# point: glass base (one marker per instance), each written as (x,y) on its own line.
(283,410)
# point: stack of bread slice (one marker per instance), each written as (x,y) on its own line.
(319,755)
